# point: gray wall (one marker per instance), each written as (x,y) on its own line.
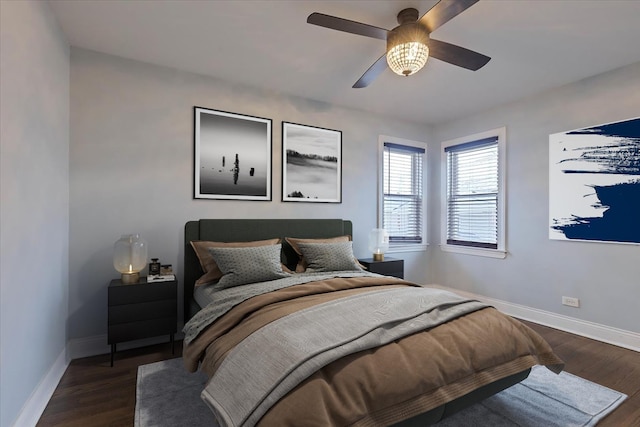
(538,271)
(126,165)
(34,213)
(132,167)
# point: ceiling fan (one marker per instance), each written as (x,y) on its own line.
(409,44)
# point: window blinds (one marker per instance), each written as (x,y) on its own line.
(402,192)
(472,193)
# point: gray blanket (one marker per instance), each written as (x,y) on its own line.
(224,299)
(272,361)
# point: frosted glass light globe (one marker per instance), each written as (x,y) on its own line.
(130,257)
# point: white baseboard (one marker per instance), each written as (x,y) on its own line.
(37,402)
(97,344)
(88,346)
(75,349)
(596,331)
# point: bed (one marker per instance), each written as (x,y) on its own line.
(378,350)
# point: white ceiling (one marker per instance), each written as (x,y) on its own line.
(534,45)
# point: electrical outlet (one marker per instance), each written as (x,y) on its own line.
(571,301)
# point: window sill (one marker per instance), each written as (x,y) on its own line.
(407,248)
(490,253)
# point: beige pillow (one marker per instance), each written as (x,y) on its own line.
(302,263)
(211,271)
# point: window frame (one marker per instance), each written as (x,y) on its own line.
(500,251)
(403,246)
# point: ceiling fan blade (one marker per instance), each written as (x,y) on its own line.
(444,11)
(347,26)
(457,55)
(372,73)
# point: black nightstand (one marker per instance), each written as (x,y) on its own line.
(141,310)
(388,267)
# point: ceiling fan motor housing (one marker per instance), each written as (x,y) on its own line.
(407,15)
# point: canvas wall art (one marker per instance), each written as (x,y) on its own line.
(311,164)
(594,183)
(232,156)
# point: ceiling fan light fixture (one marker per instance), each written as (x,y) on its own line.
(407,58)
(407,50)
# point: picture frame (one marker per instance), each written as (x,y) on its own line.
(232,156)
(594,182)
(311,164)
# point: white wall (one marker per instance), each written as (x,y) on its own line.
(132,168)
(538,271)
(34,213)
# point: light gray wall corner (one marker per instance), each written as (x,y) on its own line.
(537,271)
(34,212)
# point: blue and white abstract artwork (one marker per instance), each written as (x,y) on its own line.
(594,183)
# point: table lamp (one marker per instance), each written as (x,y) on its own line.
(378,243)
(130,257)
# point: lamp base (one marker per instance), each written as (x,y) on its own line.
(378,257)
(129,278)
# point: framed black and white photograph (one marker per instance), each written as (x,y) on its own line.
(232,156)
(311,164)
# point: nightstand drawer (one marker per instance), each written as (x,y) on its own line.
(142,329)
(141,310)
(143,292)
(125,313)
(388,267)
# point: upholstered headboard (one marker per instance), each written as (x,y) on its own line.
(244,230)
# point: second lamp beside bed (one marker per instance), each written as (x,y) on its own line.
(378,243)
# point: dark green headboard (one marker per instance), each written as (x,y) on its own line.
(244,230)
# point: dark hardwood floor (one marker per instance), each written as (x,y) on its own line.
(605,364)
(93,394)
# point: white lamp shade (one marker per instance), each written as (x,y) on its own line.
(378,241)
(130,254)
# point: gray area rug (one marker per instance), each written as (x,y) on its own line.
(168,396)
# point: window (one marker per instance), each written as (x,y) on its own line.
(402,210)
(473,208)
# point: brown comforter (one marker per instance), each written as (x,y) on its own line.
(388,384)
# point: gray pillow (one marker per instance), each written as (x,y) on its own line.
(241,266)
(329,256)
